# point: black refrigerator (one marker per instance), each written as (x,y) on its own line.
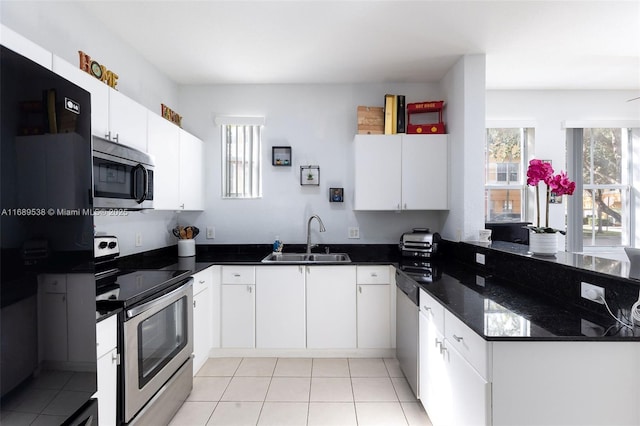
(47,293)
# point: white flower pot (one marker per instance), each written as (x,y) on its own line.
(543,244)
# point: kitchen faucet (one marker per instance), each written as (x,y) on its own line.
(322,229)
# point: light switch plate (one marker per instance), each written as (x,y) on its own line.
(211,233)
(480,258)
(354,233)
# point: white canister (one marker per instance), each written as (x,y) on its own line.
(186,248)
(484,235)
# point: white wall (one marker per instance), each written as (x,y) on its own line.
(464,88)
(319,123)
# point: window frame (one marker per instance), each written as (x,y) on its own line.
(575,205)
(249,155)
(527,131)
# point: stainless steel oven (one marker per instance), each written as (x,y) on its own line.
(158,340)
(155,335)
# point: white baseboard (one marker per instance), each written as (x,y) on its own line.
(302,353)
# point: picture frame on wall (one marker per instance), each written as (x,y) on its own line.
(281,156)
(336,195)
(310,175)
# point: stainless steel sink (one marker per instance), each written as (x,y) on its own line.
(307,258)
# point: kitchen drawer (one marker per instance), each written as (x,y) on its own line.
(201,280)
(372,274)
(106,335)
(468,343)
(432,309)
(53,283)
(238,275)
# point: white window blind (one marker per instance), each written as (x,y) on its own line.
(241,167)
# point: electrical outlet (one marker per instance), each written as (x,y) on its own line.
(354,233)
(138,239)
(592,292)
(480,258)
(211,233)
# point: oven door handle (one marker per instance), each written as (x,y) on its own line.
(137,310)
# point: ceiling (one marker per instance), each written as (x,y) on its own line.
(528,44)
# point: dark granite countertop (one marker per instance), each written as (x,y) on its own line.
(498,311)
(587,262)
(102,315)
(492,307)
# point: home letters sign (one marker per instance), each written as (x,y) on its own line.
(98,71)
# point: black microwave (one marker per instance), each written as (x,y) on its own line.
(122,176)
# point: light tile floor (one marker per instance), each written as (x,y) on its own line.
(301,391)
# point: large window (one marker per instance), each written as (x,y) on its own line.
(606,169)
(505,177)
(241,154)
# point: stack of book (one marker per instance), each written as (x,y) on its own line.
(394,114)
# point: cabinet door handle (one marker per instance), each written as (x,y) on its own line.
(373,274)
(237,275)
(360,289)
(439,345)
(194,303)
(426,308)
(405,206)
(108,135)
(115,357)
(443,350)
(457,338)
(116,138)
(201,281)
(249,289)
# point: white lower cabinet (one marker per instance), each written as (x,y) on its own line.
(108,360)
(280,307)
(452,391)
(374,313)
(331,307)
(306,307)
(466,380)
(469,393)
(202,318)
(238,300)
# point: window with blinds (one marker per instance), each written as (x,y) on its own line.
(241,154)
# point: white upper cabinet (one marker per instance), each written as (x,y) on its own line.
(179,161)
(114,116)
(401,172)
(127,121)
(25,47)
(378,174)
(163,145)
(191,172)
(425,171)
